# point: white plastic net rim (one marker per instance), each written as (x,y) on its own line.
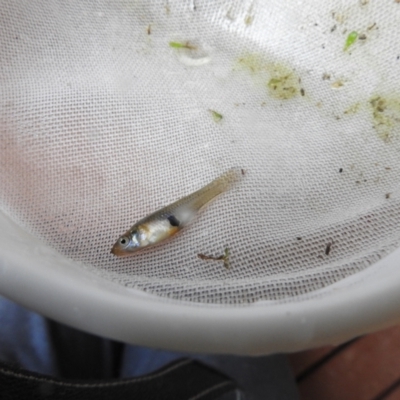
(351,307)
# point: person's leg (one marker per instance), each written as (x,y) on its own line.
(266,377)
(36,344)
(80,355)
(258,377)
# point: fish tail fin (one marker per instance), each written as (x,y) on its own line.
(218,186)
(227,180)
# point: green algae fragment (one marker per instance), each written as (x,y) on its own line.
(283,86)
(353,109)
(179,45)
(351,39)
(282,81)
(386,116)
(216,115)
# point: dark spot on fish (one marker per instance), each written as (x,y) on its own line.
(387,196)
(328,249)
(298,238)
(172,220)
(302,91)
(340,170)
(243,171)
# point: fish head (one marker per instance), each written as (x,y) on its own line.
(126,245)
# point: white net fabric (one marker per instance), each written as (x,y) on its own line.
(105,117)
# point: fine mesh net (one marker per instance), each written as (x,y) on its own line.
(112,110)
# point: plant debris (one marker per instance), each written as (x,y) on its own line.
(351,39)
(216,115)
(224,258)
(282,87)
(281,81)
(352,109)
(386,116)
(337,84)
(179,45)
(328,248)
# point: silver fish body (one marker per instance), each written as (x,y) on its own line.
(168,221)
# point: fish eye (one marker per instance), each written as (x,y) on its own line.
(123,240)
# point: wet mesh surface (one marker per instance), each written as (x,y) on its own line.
(103,121)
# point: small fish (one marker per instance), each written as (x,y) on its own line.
(168,221)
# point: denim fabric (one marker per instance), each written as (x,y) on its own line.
(37,344)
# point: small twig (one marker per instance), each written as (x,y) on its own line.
(224,258)
(205,257)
